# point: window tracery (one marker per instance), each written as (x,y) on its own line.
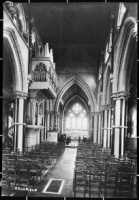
(77,118)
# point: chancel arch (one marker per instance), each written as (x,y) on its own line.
(76,80)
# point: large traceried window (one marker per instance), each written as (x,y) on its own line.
(77,118)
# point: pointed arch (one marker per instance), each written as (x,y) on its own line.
(12,47)
(124,54)
(75,79)
(22,17)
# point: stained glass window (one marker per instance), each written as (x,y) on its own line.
(76,118)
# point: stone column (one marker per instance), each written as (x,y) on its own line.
(34,111)
(112,130)
(109,127)
(15,128)
(56,121)
(91,135)
(20,122)
(117,128)
(48,121)
(52,121)
(50,116)
(95,129)
(46,116)
(105,129)
(98,138)
(45,126)
(61,124)
(101,120)
(123,127)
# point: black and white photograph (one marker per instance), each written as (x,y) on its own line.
(69,113)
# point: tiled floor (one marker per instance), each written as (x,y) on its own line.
(63,169)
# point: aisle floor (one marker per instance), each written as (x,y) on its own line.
(63,170)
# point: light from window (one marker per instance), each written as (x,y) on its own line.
(77,108)
(82,115)
(73,125)
(71,115)
(84,123)
(79,123)
(68,122)
(76,119)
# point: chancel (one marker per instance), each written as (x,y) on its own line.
(69,100)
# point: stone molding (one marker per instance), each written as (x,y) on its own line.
(18,55)
(51,112)
(94,113)
(120,95)
(129,27)
(106,107)
(19,94)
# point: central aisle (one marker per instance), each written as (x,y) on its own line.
(63,169)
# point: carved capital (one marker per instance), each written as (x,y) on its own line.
(106,107)
(120,95)
(19,94)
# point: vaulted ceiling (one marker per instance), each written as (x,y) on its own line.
(72,91)
(64,25)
